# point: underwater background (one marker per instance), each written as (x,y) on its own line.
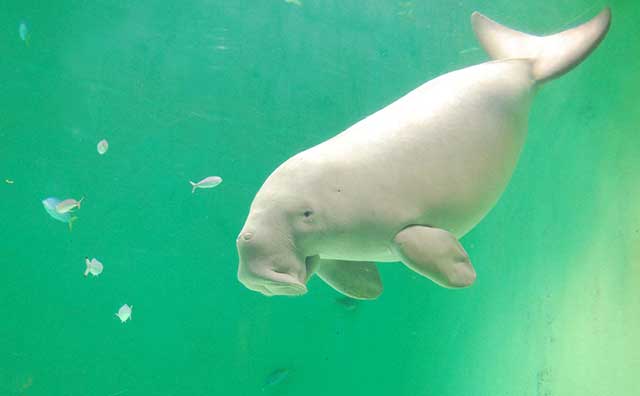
(184,90)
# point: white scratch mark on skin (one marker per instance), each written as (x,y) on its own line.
(581,15)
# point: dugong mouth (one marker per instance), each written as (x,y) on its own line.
(264,278)
(269,267)
(280,286)
(270,288)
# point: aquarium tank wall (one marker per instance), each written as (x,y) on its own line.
(125,282)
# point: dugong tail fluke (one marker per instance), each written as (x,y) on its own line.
(551,55)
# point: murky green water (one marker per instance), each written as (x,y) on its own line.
(184,90)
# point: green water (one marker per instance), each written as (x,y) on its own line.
(184,90)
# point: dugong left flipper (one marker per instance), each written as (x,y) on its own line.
(356,279)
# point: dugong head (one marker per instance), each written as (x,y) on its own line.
(274,244)
(278,237)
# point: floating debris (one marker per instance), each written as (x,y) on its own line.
(467,50)
(23,31)
(8,181)
(50,205)
(103,146)
(207,182)
(93,266)
(406,10)
(68,205)
(276,377)
(349,304)
(294,2)
(124,313)
(26,384)
(119,392)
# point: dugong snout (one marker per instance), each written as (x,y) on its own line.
(279,273)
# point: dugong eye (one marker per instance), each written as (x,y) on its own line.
(308,213)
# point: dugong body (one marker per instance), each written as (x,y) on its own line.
(405,183)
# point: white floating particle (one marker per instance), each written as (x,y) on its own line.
(103,146)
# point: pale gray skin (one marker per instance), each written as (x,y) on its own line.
(407,182)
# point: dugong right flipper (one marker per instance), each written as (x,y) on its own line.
(356,279)
(435,254)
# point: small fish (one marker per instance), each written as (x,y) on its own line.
(275,378)
(349,304)
(103,146)
(124,313)
(207,182)
(294,2)
(23,31)
(27,384)
(50,205)
(8,181)
(68,205)
(93,266)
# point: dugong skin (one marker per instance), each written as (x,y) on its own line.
(444,164)
(438,157)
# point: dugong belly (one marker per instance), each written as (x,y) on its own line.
(439,156)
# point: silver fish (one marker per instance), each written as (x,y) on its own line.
(68,205)
(349,304)
(23,31)
(275,377)
(207,182)
(50,205)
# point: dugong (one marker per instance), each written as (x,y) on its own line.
(405,183)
